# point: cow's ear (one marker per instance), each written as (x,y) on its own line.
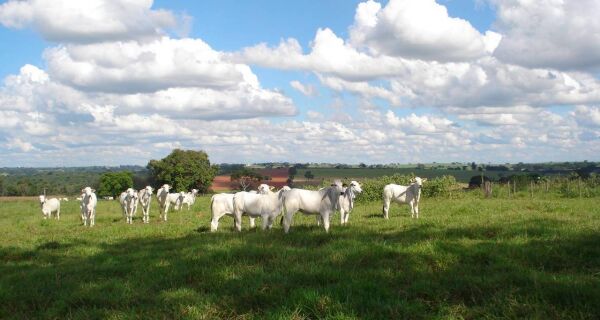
(424,179)
(271,188)
(94,190)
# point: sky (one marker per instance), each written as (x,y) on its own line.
(111,82)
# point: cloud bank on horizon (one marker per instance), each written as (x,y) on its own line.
(123,82)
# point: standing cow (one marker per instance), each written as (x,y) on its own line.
(128,201)
(265,204)
(145,196)
(88,206)
(161,196)
(410,194)
(49,206)
(346,201)
(323,203)
(190,198)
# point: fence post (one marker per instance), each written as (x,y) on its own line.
(508,185)
(531,188)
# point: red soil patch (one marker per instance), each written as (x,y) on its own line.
(278,180)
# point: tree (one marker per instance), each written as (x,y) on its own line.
(292,171)
(113,183)
(184,170)
(245,177)
(362,165)
(473,166)
(309,175)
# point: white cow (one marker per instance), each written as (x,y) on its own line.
(128,200)
(88,206)
(265,204)
(176,199)
(190,198)
(162,195)
(145,199)
(222,204)
(49,206)
(64,199)
(403,194)
(323,203)
(346,201)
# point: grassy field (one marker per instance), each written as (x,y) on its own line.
(465,258)
(358,173)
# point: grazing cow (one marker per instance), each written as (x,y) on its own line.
(220,205)
(346,201)
(323,202)
(88,206)
(265,204)
(145,199)
(64,199)
(162,195)
(190,198)
(403,194)
(128,200)
(49,206)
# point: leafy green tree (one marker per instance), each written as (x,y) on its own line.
(113,183)
(245,177)
(309,175)
(292,171)
(184,170)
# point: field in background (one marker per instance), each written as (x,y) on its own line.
(465,258)
(358,173)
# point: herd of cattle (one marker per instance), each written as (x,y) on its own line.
(264,203)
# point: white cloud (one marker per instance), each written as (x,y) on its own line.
(418,29)
(88,21)
(549,34)
(587,116)
(306,89)
(17,143)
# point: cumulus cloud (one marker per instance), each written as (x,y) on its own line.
(549,34)
(306,89)
(418,29)
(88,21)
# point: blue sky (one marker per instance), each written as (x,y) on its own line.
(305,81)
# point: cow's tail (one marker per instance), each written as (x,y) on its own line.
(212,200)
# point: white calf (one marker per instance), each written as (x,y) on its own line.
(88,206)
(403,194)
(145,199)
(161,196)
(128,200)
(323,202)
(189,198)
(346,201)
(49,206)
(175,199)
(221,205)
(265,204)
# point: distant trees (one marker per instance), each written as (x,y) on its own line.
(245,177)
(309,175)
(473,166)
(184,170)
(113,183)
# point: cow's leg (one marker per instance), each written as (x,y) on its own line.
(412,209)
(264,222)
(166,210)
(214,223)
(93,218)
(347,217)
(343,219)
(318,220)
(386,208)
(252,222)
(237,221)
(287,221)
(325,218)
(270,224)
(417,209)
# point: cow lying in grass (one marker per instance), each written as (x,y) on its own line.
(403,194)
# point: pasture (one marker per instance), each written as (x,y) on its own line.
(464,258)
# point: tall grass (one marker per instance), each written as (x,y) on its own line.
(464,258)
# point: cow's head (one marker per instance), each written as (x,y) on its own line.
(264,188)
(149,189)
(194,191)
(418,181)
(87,191)
(355,186)
(42,199)
(337,185)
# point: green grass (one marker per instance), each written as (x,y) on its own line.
(358,173)
(464,258)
